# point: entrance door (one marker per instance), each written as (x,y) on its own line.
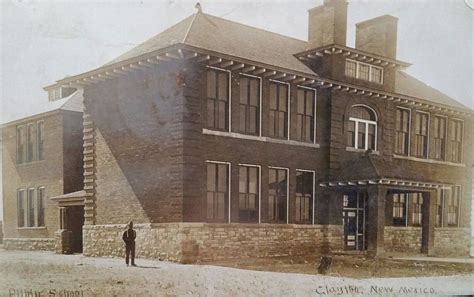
(74,220)
(354,218)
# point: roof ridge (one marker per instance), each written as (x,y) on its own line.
(190,26)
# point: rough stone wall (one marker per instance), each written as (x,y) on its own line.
(403,239)
(191,242)
(452,241)
(29,244)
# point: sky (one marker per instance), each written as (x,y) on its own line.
(43,41)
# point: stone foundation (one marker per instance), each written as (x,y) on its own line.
(452,241)
(406,240)
(194,242)
(29,244)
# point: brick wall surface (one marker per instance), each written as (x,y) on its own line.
(29,244)
(191,242)
(452,241)
(403,239)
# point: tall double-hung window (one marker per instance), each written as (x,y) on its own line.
(402,131)
(218,99)
(305,115)
(304,196)
(279,107)
(249,193)
(362,128)
(456,140)
(217,191)
(439,138)
(277,195)
(249,107)
(420,139)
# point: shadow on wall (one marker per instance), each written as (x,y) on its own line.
(138,118)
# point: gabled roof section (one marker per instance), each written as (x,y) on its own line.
(408,85)
(73,102)
(227,37)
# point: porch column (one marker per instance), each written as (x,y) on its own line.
(428,222)
(376,220)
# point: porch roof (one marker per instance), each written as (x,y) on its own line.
(73,198)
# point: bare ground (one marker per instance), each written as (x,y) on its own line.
(74,275)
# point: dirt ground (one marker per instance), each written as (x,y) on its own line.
(354,266)
(49,274)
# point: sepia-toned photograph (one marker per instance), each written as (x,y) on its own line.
(236,148)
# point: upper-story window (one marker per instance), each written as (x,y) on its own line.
(402,133)
(362,128)
(420,139)
(249,105)
(439,137)
(20,144)
(30,142)
(218,99)
(279,116)
(364,71)
(305,115)
(456,139)
(55,94)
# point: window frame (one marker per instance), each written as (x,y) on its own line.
(418,207)
(428,130)
(40,207)
(357,71)
(229,99)
(39,124)
(288,121)
(313,193)
(409,131)
(314,111)
(405,209)
(31,209)
(461,152)
(260,86)
(21,210)
(33,140)
(458,210)
(287,190)
(366,133)
(259,184)
(23,154)
(444,154)
(229,177)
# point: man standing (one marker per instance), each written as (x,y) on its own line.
(129,239)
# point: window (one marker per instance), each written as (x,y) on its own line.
(304,197)
(250,105)
(416,200)
(278,117)
(364,71)
(20,144)
(20,198)
(31,208)
(421,135)
(217,191)
(400,209)
(31,140)
(439,137)
(55,94)
(40,141)
(277,195)
(218,99)
(351,68)
(362,128)
(249,193)
(402,131)
(440,198)
(40,205)
(305,115)
(453,207)
(456,140)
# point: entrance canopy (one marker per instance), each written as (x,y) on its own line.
(70,199)
(373,170)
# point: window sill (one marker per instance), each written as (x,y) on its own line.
(31,228)
(29,163)
(259,138)
(356,150)
(428,161)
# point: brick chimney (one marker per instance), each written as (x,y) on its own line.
(378,36)
(327,24)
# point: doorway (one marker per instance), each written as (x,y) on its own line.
(354,220)
(72,218)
